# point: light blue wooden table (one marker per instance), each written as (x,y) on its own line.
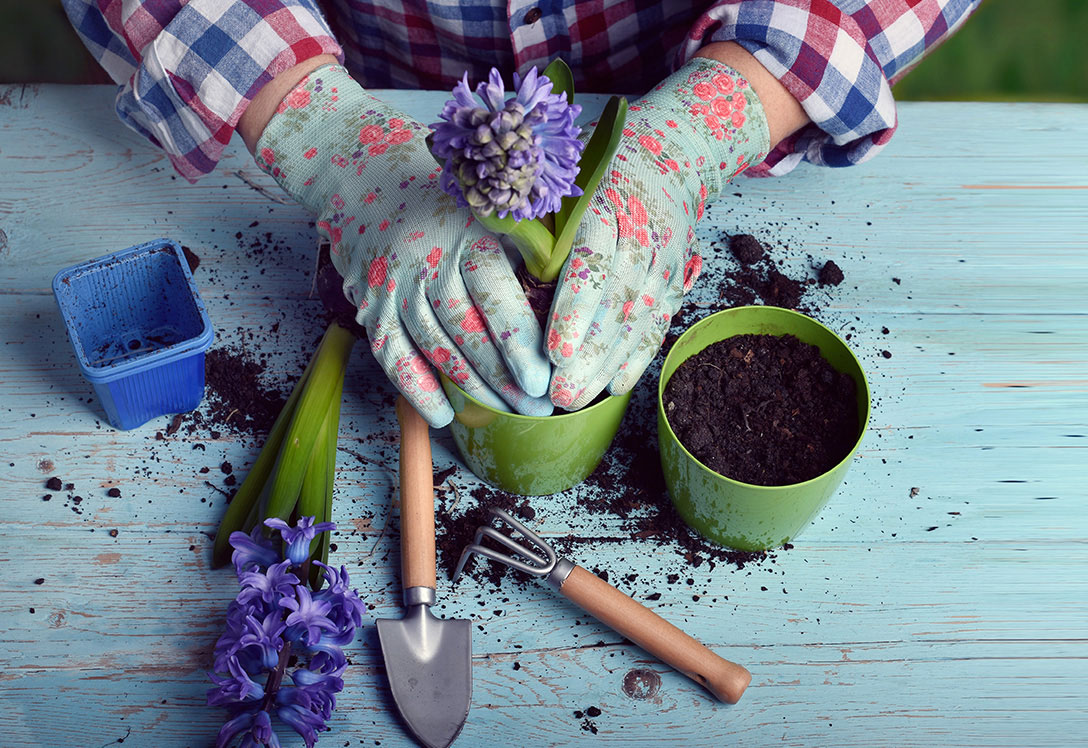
(940,598)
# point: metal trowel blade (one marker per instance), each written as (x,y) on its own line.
(429,664)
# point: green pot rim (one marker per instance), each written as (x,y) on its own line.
(531,419)
(661,382)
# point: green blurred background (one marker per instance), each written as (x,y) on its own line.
(1009,50)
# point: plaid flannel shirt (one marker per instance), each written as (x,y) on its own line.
(188,69)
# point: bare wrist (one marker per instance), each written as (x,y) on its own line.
(784,113)
(260,110)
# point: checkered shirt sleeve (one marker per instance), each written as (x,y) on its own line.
(838,58)
(187,70)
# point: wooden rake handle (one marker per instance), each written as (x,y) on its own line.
(726,680)
(417,552)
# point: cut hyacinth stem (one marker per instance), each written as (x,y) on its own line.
(241,514)
(315,498)
(324,382)
(596,158)
(245,508)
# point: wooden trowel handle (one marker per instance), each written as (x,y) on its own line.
(416,499)
(726,680)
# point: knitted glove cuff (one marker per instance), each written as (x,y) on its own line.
(329,128)
(705,113)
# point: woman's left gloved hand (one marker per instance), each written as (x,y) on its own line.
(635,254)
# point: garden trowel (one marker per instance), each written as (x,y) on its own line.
(428,660)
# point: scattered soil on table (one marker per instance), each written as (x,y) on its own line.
(763,409)
(239,398)
(759,279)
(456,530)
(192,259)
(746,248)
(628,484)
(587,716)
(831,274)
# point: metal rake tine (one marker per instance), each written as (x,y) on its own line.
(538,541)
(508,542)
(543,565)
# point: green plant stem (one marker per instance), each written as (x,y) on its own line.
(324,382)
(244,508)
(532,238)
(316,496)
(245,500)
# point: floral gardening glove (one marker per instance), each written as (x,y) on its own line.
(635,254)
(430,285)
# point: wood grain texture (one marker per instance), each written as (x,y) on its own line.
(417,529)
(939,599)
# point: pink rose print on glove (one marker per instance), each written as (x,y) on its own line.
(375,275)
(692,268)
(561,394)
(631,221)
(723,82)
(297,99)
(653,145)
(704,91)
(414,372)
(473,321)
(371,134)
(554,340)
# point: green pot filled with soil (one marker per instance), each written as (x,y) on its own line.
(760,412)
(532,455)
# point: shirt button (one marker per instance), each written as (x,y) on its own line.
(534,15)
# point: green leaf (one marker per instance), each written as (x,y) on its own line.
(245,499)
(325,381)
(594,163)
(558,72)
(429,140)
(320,546)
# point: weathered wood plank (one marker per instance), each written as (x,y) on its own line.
(939,598)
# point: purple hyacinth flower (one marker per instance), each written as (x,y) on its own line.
(234,688)
(275,622)
(298,538)
(267,587)
(308,617)
(263,639)
(346,608)
(234,727)
(300,719)
(516,156)
(253,550)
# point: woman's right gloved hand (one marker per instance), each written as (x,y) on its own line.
(431,286)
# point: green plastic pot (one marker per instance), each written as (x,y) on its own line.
(527,455)
(730,512)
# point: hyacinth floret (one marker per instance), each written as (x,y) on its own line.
(516,156)
(298,537)
(281,652)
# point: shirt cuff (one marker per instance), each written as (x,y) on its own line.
(198,75)
(837,65)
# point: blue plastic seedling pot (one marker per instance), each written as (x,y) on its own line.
(139,330)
